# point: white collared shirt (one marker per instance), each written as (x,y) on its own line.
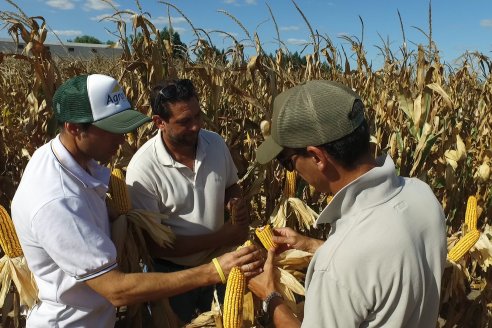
(60,216)
(193,200)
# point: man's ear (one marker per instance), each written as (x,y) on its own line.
(158,121)
(320,157)
(72,128)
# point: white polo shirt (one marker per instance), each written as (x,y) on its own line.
(193,200)
(382,263)
(61,219)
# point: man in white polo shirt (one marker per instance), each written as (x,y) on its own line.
(61,218)
(188,173)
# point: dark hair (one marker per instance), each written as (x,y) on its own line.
(169,92)
(347,150)
(83,126)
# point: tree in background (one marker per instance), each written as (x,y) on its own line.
(86,39)
(180,49)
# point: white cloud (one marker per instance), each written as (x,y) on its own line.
(251,2)
(296,42)
(290,28)
(164,20)
(486,22)
(61,4)
(230,2)
(99,17)
(98,5)
(69,33)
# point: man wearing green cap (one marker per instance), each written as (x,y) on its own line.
(60,216)
(382,263)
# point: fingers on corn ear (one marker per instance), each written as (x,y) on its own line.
(265,235)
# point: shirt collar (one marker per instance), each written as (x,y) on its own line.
(372,188)
(99,177)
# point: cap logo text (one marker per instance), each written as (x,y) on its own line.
(116,97)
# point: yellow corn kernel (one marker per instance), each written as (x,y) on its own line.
(328,199)
(290,184)
(8,237)
(265,235)
(463,245)
(120,200)
(471,214)
(233,301)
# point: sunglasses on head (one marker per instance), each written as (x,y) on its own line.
(173,91)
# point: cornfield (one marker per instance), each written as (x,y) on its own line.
(432,118)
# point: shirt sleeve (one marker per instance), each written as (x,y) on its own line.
(73,237)
(330,304)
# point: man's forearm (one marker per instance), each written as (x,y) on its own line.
(282,315)
(125,289)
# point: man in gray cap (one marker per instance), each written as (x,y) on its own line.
(60,216)
(382,263)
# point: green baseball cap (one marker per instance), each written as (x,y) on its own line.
(311,114)
(96,99)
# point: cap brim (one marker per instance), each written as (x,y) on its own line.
(123,122)
(268,150)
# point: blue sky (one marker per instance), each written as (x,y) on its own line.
(457,25)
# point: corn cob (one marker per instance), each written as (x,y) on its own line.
(290,184)
(233,301)
(463,245)
(120,199)
(265,234)
(8,237)
(471,214)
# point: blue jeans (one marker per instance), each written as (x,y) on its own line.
(190,304)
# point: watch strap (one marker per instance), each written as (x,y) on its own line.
(269,298)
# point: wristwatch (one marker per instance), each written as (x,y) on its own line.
(268,299)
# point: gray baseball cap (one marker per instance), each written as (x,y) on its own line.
(311,114)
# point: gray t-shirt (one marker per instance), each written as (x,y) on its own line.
(382,264)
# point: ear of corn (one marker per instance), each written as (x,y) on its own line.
(233,302)
(265,235)
(290,184)
(463,245)
(471,214)
(8,237)
(120,199)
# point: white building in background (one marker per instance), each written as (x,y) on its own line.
(65,50)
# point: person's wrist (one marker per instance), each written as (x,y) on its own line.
(273,298)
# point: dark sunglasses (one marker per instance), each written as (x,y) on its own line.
(286,159)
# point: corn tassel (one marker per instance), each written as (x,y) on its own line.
(265,235)
(120,199)
(464,245)
(233,301)
(8,237)
(290,184)
(471,214)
